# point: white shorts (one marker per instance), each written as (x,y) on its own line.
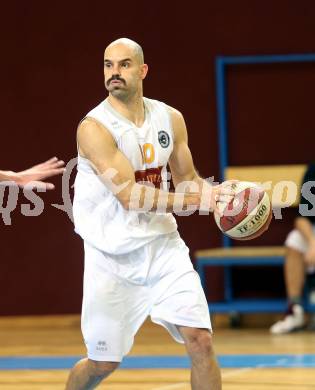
(114,307)
(295,240)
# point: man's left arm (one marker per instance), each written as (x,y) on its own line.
(182,166)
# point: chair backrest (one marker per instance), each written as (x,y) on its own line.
(282,182)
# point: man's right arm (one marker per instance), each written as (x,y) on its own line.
(98,145)
(304,226)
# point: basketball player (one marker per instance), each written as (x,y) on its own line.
(35,174)
(136,264)
(299,264)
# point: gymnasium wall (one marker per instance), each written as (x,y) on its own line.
(51,75)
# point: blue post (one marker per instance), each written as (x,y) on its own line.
(222,124)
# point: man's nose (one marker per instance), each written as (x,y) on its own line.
(116,70)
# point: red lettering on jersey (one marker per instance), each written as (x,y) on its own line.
(152,175)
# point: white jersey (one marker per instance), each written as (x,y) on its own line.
(99,217)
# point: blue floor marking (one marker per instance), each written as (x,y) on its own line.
(143,362)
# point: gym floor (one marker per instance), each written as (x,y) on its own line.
(37,353)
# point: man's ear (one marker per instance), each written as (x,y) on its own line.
(144,71)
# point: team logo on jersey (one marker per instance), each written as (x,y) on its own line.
(164,139)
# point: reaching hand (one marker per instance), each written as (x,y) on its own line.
(40,172)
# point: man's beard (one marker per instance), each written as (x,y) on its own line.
(120,92)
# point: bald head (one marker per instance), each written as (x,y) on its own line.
(127,43)
(124,69)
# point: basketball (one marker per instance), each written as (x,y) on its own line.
(248,215)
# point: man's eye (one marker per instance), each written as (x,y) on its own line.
(107,65)
(125,64)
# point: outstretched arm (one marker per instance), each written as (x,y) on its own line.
(36,174)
